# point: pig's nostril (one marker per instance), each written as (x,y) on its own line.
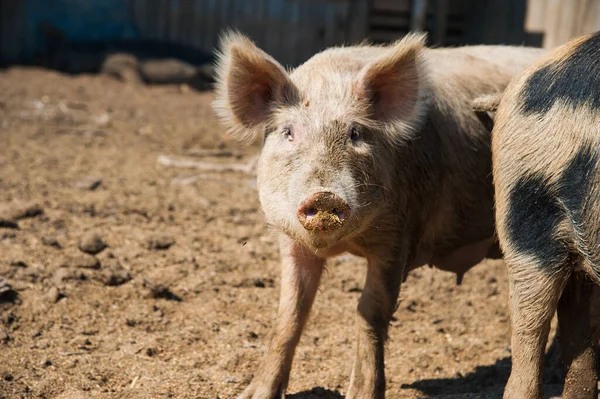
(339,214)
(310,212)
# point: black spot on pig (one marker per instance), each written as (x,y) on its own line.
(533,216)
(574,80)
(576,181)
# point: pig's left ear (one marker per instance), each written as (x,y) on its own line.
(394,86)
(250,84)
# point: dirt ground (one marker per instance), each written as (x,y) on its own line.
(180,302)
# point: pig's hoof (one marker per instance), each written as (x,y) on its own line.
(262,391)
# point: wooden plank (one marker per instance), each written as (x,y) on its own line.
(440,22)
(591,19)
(393,22)
(391,5)
(418,18)
(358,21)
(386,36)
(535,16)
(559,18)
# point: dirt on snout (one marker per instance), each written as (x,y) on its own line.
(125,277)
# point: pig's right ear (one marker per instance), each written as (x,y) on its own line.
(250,84)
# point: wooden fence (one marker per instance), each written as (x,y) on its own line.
(561,20)
(292,30)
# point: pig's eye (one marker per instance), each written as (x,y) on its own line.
(287,133)
(355,134)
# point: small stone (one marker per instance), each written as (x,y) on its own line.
(6,376)
(18,211)
(159,242)
(65,273)
(82,261)
(102,119)
(91,243)
(53,295)
(51,241)
(89,183)
(115,276)
(160,291)
(4,338)
(7,293)
(151,352)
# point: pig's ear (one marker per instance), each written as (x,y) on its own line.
(394,86)
(249,85)
(485,109)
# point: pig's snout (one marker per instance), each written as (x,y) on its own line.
(323,211)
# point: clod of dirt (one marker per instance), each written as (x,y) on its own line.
(159,242)
(115,276)
(4,338)
(89,183)
(91,243)
(53,295)
(51,241)
(18,211)
(82,261)
(151,352)
(65,273)
(8,224)
(160,291)
(18,263)
(7,294)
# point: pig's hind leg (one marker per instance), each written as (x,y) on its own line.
(534,296)
(578,311)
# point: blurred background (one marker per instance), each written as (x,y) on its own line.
(127,37)
(134,257)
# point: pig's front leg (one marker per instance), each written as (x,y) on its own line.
(375,309)
(300,275)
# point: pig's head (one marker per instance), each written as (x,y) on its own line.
(332,131)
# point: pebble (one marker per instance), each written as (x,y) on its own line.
(53,295)
(115,275)
(159,242)
(89,183)
(18,211)
(91,243)
(51,241)
(64,273)
(160,291)
(7,294)
(4,338)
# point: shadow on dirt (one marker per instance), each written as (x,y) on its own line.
(489,381)
(484,382)
(316,393)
